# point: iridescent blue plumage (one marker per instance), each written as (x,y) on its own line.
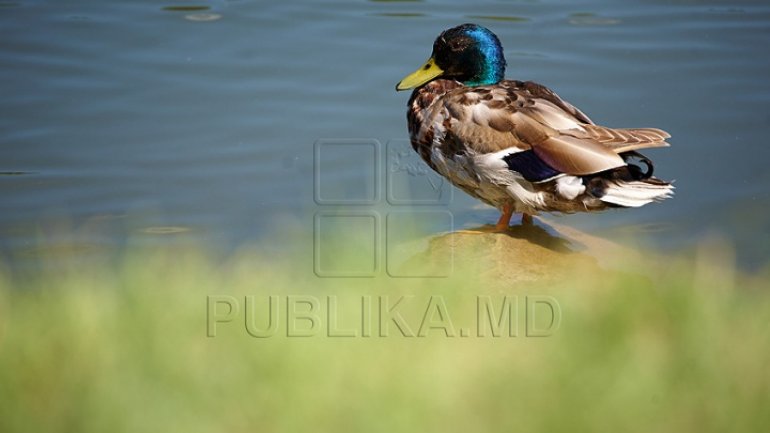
(493,60)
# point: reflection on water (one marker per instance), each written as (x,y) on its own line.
(591,19)
(179,115)
(400,14)
(511,19)
(203,17)
(14,173)
(170,230)
(182,8)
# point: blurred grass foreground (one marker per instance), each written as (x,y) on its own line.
(164,341)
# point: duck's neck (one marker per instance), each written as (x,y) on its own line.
(491,74)
(423,96)
(421,100)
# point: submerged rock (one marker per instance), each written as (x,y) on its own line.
(543,252)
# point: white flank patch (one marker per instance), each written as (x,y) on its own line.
(570,187)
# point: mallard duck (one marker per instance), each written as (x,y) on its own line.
(516,145)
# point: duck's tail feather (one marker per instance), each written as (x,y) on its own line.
(630,186)
(636,193)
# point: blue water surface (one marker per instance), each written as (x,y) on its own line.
(180,122)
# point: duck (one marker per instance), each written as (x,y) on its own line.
(516,145)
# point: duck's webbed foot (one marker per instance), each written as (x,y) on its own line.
(502,224)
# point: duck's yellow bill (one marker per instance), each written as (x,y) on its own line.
(427,72)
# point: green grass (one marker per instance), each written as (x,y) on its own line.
(676,346)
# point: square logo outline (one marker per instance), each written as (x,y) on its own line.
(317,243)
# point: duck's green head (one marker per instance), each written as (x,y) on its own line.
(468,53)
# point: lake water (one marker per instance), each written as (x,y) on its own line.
(199,122)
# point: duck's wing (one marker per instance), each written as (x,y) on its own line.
(523,116)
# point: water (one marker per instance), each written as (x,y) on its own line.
(161,123)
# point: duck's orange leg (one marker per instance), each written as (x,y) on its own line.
(505,218)
(526,219)
(501,226)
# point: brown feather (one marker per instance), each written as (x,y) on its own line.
(576,156)
(623,139)
(539,91)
